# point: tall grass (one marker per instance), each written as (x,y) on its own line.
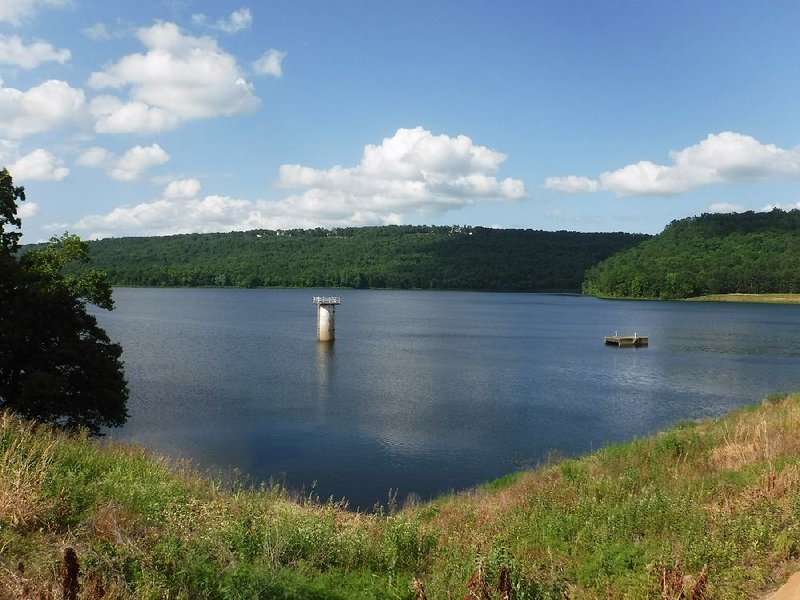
(24,464)
(704,510)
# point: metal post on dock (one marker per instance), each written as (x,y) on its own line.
(326,309)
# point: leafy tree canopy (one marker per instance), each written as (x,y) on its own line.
(9,196)
(711,254)
(56,364)
(395,256)
(50,261)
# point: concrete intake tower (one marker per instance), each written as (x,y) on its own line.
(326,309)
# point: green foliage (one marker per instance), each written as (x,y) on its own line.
(608,561)
(50,261)
(405,546)
(750,252)
(501,482)
(399,257)
(9,197)
(56,364)
(719,497)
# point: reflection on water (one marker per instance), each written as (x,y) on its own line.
(424,392)
(324,365)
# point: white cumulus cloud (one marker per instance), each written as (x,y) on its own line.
(131,166)
(237,21)
(182,188)
(571,184)
(47,106)
(95,157)
(114,116)
(39,165)
(726,207)
(214,213)
(98,32)
(9,152)
(787,206)
(27,209)
(414,173)
(721,158)
(270,63)
(14,52)
(16,11)
(171,215)
(179,78)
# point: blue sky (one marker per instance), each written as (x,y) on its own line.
(170,116)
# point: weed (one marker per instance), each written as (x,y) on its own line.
(25,459)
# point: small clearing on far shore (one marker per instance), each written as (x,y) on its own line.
(756,298)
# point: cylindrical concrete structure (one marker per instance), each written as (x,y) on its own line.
(326,306)
(326,326)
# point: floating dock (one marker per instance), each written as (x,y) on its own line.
(626,340)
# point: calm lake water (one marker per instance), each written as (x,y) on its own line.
(425,392)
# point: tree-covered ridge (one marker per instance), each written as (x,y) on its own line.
(748,252)
(362,257)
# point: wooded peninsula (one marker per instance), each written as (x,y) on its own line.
(737,253)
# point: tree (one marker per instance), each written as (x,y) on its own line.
(56,364)
(710,254)
(9,195)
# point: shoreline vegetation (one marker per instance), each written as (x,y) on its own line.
(714,257)
(382,257)
(706,509)
(732,253)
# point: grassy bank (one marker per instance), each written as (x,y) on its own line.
(758,298)
(711,508)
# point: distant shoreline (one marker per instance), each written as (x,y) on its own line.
(752,298)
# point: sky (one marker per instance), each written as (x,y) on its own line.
(158,117)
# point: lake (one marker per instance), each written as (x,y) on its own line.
(425,392)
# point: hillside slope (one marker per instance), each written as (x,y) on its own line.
(705,510)
(375,257)
(711,254)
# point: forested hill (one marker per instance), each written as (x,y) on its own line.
(710,254)
(375,257)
